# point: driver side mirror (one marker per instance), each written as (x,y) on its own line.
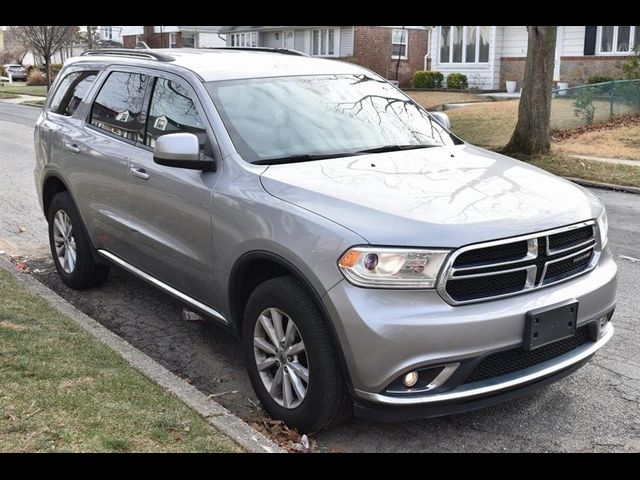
(442,119)
(181,150)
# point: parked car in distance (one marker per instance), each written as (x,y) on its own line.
(369,260)
(16,71)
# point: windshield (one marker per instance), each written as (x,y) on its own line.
(311,117)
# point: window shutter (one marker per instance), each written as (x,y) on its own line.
(590,40)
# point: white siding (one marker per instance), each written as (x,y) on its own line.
(269,40)
(210,40)
(514,43)
(299,40)
(495,55)
(346,41)
(573,41)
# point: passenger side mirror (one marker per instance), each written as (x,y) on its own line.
(442,119)
(181,150)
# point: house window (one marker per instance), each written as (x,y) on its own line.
(324,42)
(464,44)
(617,39)
(399,43)
(172,40)
(243,39)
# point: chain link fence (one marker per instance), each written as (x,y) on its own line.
(576,106)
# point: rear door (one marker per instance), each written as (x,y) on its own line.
(171,208)
(97,155)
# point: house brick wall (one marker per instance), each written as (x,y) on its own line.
(151,38)
(575,70)
(372,50)
(511,68)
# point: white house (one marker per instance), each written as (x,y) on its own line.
(491,55)
(111,33)
(173,36)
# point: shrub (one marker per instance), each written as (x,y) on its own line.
(598,79)
(36,77)
(457,81)
(427,79)
(55,68)
(631,68)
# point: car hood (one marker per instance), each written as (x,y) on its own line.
(437,197)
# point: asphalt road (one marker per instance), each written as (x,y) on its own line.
(595,409)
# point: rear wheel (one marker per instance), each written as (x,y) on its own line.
(291,359)
(70,247)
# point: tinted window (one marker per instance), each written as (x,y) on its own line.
(71,91)
(172,110)
(117,107)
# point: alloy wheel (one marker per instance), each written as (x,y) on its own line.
(281,358)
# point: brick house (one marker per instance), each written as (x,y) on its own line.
(382,49)
(491,55)
(171,36)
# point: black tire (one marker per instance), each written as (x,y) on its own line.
(86,273)
(327,401)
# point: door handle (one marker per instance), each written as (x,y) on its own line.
(139,173)
(72,147)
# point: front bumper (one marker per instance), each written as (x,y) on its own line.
(386,333)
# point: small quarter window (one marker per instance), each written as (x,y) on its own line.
(117,107)
(71,91)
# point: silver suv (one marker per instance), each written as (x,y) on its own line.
(368,259)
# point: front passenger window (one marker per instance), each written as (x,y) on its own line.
(172,110)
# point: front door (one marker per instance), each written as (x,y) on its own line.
(170,208)
(287,40)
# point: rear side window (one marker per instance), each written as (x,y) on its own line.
(117,107)
(172,110)
(71,91)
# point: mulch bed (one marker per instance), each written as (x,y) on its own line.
(625,121)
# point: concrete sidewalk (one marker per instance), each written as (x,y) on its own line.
(615,161)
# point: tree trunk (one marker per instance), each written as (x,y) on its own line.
(47,68)
(532,131)
(89,38)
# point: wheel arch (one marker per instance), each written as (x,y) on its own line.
(255,267)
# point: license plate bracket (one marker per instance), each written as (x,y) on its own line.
(550,324)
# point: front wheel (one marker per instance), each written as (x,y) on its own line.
(291,359)
(70,247)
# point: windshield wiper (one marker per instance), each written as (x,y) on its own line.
(393,148)
(309,158)
(302,158)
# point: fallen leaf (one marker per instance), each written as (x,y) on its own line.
(21,229)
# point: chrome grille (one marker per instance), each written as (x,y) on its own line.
(508,267)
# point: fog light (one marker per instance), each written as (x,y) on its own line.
(410,379)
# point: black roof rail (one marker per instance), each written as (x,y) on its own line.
(284,51)
(129,52)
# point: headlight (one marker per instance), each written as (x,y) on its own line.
(392,267)
(603,227)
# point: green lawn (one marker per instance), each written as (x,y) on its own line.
(62,390)
(24,89)
(491,125)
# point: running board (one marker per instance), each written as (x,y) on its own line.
(163,286)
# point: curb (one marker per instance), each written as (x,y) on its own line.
(605,186)
(214,413)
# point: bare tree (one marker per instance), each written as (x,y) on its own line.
(44,40)
(534,113)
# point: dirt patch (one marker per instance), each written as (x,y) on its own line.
(13,326)
(75,382)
